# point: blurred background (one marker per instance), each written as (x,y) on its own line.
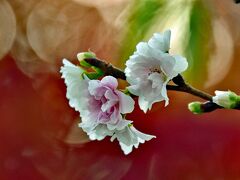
(39,137)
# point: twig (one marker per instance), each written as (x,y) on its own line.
(211,106)
(191,90)
(180,86)
(109,69)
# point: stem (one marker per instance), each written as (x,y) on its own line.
(109,69)
(180,86)
(191,90)
(211,106)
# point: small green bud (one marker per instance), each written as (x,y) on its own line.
(195,107)
(83,55)
(82,59)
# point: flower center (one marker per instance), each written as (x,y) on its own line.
(154,69)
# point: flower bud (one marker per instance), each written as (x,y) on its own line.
(226,99)
(83,55)
(195,107)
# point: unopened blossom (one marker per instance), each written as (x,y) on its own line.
(150,68)
(226,99)
(83,55)
(195,107)
(130,137)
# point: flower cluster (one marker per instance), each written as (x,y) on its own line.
(103,107)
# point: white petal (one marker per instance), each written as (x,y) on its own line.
(76,85)
(167,66)
(181,64)
(126,149)
(164,93)
(126,136)
(87,125)
(126,103)
(99,132)
(161,41)
(143,136)
(130,137)
(143,104)
(134,89)
(143,49)
(120,125)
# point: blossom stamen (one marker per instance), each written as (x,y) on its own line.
(154,69)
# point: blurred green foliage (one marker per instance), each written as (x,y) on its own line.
(142,17)
(148,14)
(199,42)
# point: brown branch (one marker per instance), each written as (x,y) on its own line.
(107,68)
(191,90)
(210,106)
(180,86)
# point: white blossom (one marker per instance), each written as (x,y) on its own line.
(150,68)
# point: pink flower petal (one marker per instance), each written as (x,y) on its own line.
(109,81)
(110,95)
